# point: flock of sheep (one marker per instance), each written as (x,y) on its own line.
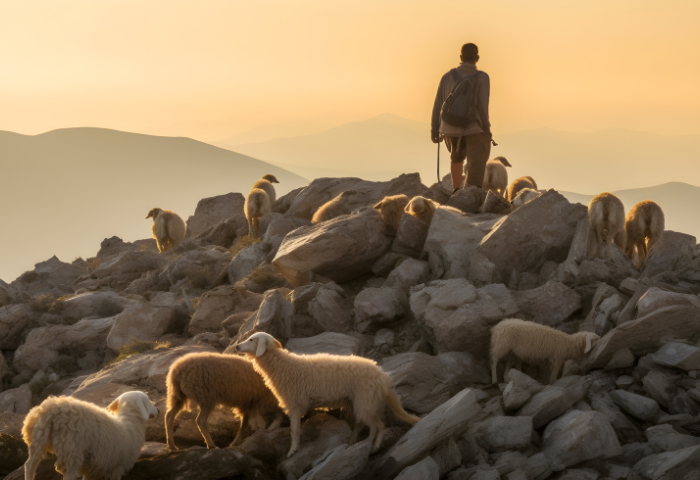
(268,380)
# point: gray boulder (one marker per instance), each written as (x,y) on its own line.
(410,236)
(341,463)
(51,277)
(468,199)
(218,304)
(274,317)
(16,400)
(550,304)
(14,320)
(142,321)
(327,342)
(664,438)
(503,433)
(555,399)
(201,266)
(378,307)
(635,405)
(678,355)
(408,274)
(210,211)
(656,298)
(426,469)
(668,465)
(246,261)
(672,253)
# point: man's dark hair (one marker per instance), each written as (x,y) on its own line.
(469,52)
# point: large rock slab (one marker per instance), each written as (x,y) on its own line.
(408,274)
(213,210)
(450,418)
(14,320)
(217,304)
(555,399)
(550,304)
(341,249)
(378,307)
(656,298)
(579,436)
(678,355)
(669,465)
(640,407)
(459,317)
(341,463)
(327,342)
(246,261)
(451,239)
(503,433)
(410,237)
(672,253)
(367,193)
(273,317)
(647,334)
(426,469)
(664,438)
(424,382)
(128,261)
(201,266)
(142,321)
(540,230)
(51,277)
(16,400)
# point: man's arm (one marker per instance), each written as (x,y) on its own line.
(483,103)
(435,120)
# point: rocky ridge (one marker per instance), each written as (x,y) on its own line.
(421,304)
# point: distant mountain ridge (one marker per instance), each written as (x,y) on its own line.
(86,184)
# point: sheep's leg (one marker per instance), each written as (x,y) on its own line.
(555,372)
(494,373)
(201,422)
(72,468)
(32,464)
(295,424)
(378,426)
(244,425)
(276,422)
(169,428)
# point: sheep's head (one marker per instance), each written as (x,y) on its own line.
(417,205)
(591,340)
(503,161)
(270,178)
(137,401)
(257,344)
(524,196)
(154,213)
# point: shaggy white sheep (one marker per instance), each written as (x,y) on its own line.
(423,208)
(644,226)
(334,208)
(265,184)
(496,176)
(524,196)
(257,204)
(537,344)
(86,439)
(517,185)
(303,382)
(211,379)
(168,228)
(606,215)
(392,209)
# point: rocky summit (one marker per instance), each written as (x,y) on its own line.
(420,303)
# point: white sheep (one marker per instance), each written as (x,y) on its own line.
(168,228)
(303,382)
(265,184)
(524,196)
(257,204)
(496,176)
(517,185)
(423,209)
(211,379)
(606,215)
(537,344)
(335,207)
(392,209)
(88,440)
(644,226)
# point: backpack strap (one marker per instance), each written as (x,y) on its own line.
(455,75)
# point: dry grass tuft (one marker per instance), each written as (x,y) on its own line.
(241,243)
(135,346)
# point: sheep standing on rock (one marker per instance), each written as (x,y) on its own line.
(644,226)
(496,176)
(257,204)
(423,209)
(265,184)
(334,208)
(303,382)
(392,209)
(168,228)
(88,440)
(212,379)
(606,215)
(537,344)
(519,184)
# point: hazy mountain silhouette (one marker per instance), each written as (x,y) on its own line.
(678,200)
(64,191)
(387,145)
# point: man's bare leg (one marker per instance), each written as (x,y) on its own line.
(457,170)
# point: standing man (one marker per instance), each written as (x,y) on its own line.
(471,141)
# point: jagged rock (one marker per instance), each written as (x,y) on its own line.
(647,334)
(341,463)
(95,304)
(217,304)
(579,436)
(14,320)
(450,418)
(387,262)
(327,342)
(425,382)
(494,203)
(410,236)
(673,252)
(638,406)
(555,399)
(246,261)
(222,234)
(128,261)
(659,387)
(341,249)
(523,381)
(426,469)
(330,310)
(447,456)
(550,304)
(623,358)
(142,321)
(16,400)
(377,307)
(274,317)
(664,438)
(51,277)
(538,466)
(285,201)
(458,317)
(262,279)
(601,316)
(678,355)
(503,433)
(13,453)
(452,238)
(510,461)
(540,230)
(210,211)
(321,432)
(468,199)
(80,346)
(201,266)
(367,193)
(384,336)
(6,294)
(668,465)
(278,224)
(408,274)
(656,298)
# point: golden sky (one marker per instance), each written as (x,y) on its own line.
(211,69)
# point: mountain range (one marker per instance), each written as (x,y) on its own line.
(66,190)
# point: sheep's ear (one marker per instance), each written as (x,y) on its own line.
(143,409)
(588,343)
(114,406)
(277,344)
(262,347)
